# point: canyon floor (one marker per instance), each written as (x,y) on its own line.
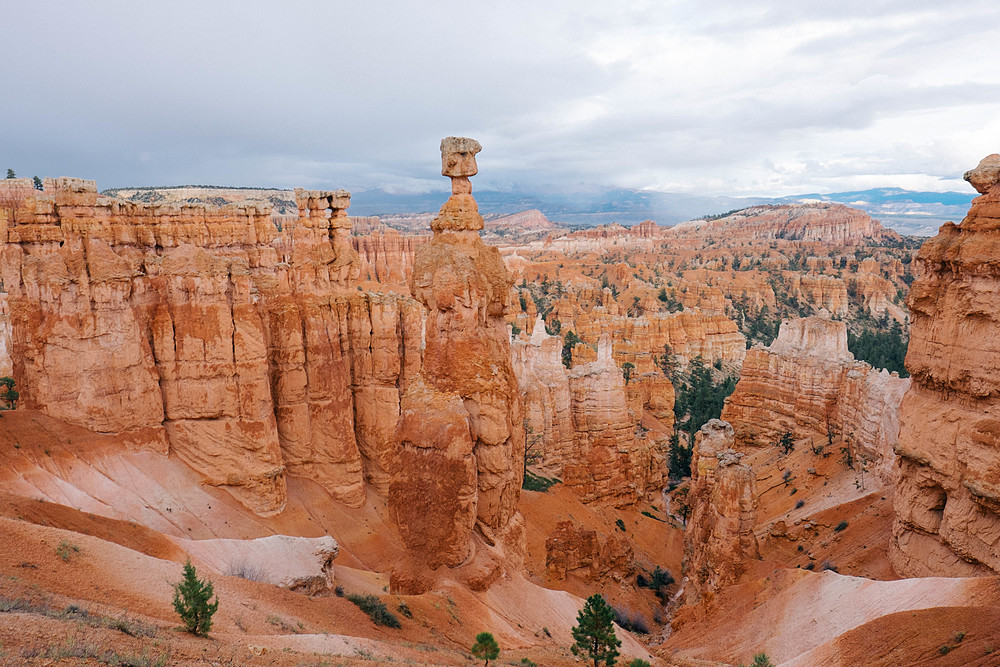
(84,583)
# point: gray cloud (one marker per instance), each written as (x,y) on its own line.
(765,98)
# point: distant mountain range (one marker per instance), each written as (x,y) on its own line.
(908,212)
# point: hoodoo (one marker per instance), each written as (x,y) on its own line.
(948,497)
(202,331)
(457,479)
(719,542)
(809,384)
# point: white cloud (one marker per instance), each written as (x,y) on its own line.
(755,98)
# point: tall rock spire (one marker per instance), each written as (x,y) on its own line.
(455,490)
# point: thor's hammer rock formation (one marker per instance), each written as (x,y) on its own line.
(458,477)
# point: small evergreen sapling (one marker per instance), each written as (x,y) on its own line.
(595,632)
(485,648)
(191,601)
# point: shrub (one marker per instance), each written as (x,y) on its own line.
(533,482)
(191,601)
(828,565)
(840,526)
(658,582)
(248,571)
(631,620)
(786,442)
(799,504)
(627,368)
(65,550)
(8,395)
(639,662)
(485,648)
(620,524)
(404,609)
(375,609)
(760,660)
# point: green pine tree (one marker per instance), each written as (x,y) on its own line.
(595,632)
(191,601)
(485,648)
(761,660)
(8,395)
(10,173)
(37,183)
(787,443)
(570,341)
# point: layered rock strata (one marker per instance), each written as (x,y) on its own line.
(719,541)
(948,499)
(460,463)
(582,423)
(6,363)
(809,384)
(575,550)
(203,330)
(387,256)
(830,224)
(689,334)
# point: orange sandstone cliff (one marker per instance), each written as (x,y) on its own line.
(460,462)
(808,383)
(719,542)
(948,498)
(202,330)
(583,422)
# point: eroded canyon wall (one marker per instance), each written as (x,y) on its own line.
(719,541)
(584,422)
(808,383)
(948,498)
(247,352)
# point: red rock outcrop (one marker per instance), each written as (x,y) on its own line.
(807,382)
(819,291)
(570,549)
(948,497)
(584,422)
(831,224)
(6,364)
(689,334)
(719,541)
(203,330)
(386,256)
(460,462)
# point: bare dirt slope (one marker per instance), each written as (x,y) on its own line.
(94,534)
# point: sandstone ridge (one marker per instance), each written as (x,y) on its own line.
(719,542)
(948,499)
(808,383)
(203,330)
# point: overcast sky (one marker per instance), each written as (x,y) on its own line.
(756,98)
